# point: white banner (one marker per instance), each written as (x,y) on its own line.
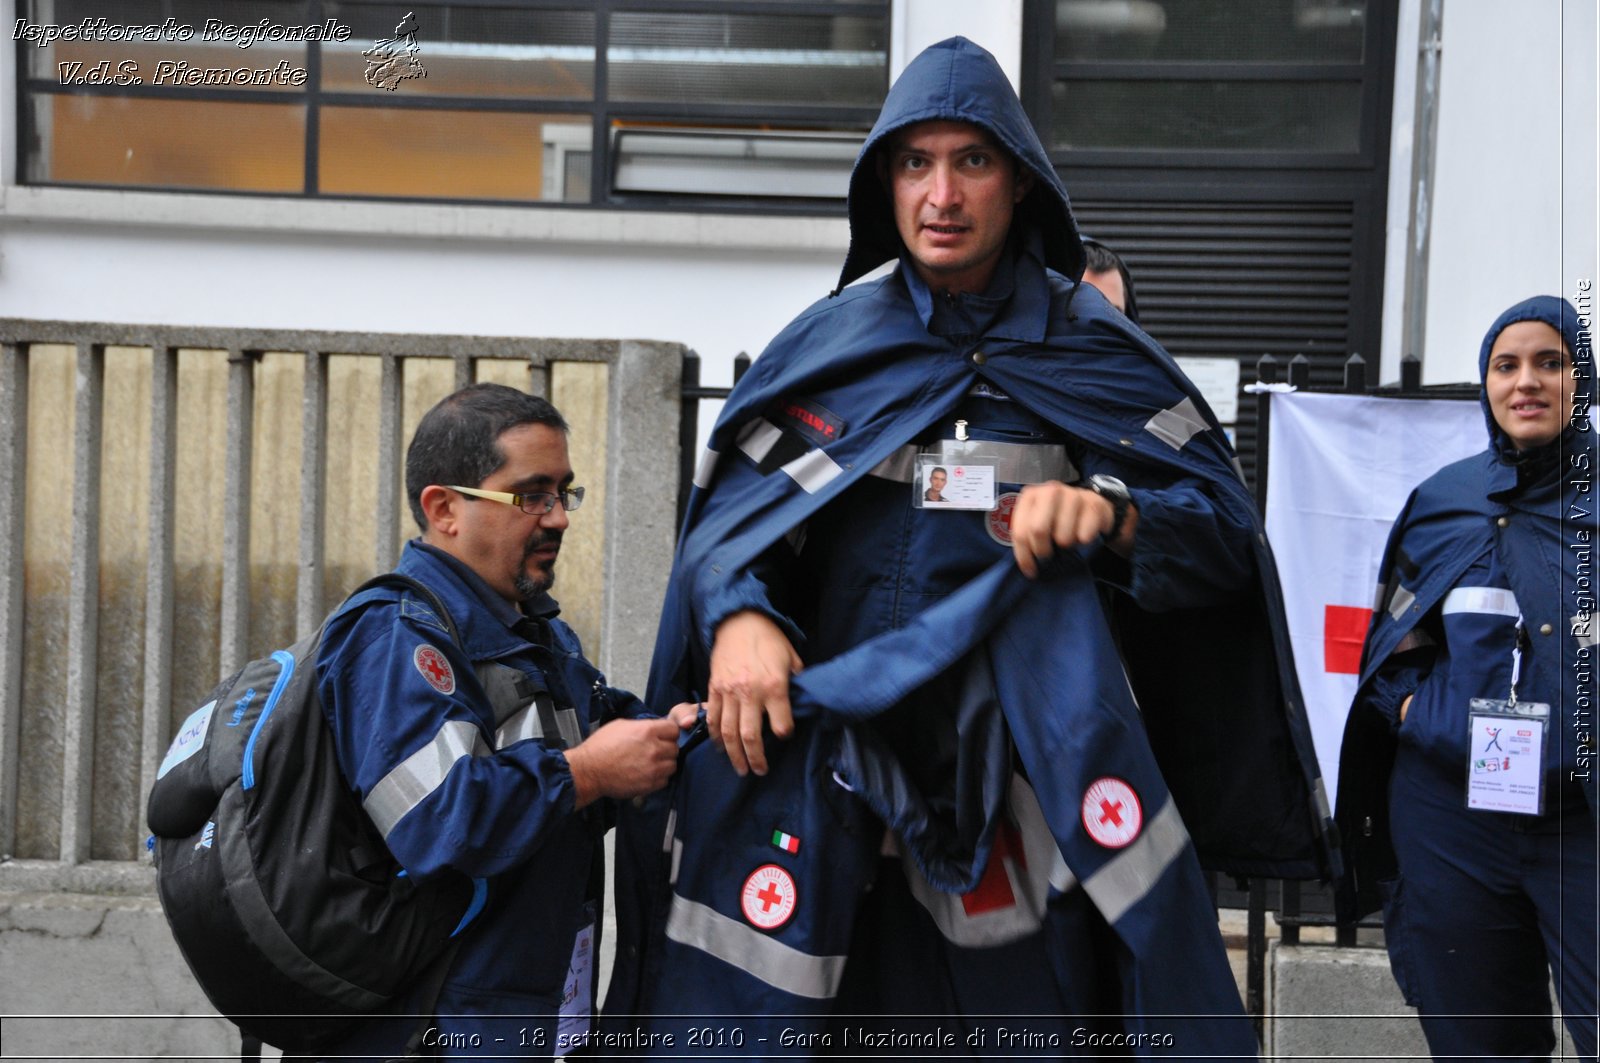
(1339,468)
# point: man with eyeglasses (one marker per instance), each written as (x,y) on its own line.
(496,759)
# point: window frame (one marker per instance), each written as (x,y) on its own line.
(1042,70)
(601,112)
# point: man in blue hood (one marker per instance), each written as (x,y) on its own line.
(930,790)
(1466,772)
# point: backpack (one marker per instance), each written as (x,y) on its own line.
(293,915)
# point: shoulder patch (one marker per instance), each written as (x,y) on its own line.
(422,613)
(811,420)
(1112,814)
(435,668)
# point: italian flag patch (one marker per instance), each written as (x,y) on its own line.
(787,842)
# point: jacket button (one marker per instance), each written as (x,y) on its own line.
(1504,522)
(1545,629)
(978,357)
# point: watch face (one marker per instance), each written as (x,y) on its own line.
(1109,485)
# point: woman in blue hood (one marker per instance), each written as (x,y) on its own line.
(1467,792)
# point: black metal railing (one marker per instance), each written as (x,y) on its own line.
(689,424)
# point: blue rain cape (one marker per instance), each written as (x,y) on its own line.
(1447,523)
(1216,748)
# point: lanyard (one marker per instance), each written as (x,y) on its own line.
(1516,659)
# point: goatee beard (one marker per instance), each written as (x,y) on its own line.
(529,587)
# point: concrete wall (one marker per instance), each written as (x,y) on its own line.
(1513,211)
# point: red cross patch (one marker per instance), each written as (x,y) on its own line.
(998,519)
(993,890)
(768,898)
(1111,812)
(434,668)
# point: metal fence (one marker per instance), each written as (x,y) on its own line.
(175,500)
(1301,905)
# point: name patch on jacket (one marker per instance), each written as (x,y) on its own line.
(813,422)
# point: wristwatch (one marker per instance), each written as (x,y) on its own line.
(1114,491)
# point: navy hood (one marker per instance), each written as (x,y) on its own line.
(955,80)
(1561,316)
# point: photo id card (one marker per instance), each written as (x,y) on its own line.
(941,484)
(573,1025)
(1505,763)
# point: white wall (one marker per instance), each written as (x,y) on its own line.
(717,301)
(1514,213)
(994,24)
(720,284)
(1398,229)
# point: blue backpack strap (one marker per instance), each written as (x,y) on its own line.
(367,592)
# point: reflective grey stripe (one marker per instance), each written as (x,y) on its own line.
(1583,630)
(1319,801)
(758,437)
(1495,601)
(813,470)
(672,846)
(1014,463)
(1061,877)
(705,467)
(1177,426)
(521,727)
(1027,874)
(1123,883)
(780,966)
(567,725)
(900,466)
(1402,601)
(414,778)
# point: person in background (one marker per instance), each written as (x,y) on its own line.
(1105,269)
(1466,787)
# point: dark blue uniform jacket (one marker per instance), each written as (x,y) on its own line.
(456,753)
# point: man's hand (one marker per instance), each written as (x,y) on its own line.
(751,662)
(627,758)
(1052,515)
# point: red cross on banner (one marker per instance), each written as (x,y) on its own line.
(993,890)
(1344,629)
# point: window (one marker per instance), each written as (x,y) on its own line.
(1209,77)
(700,104)
(1235,153)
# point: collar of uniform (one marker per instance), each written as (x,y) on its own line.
(1018,295)
(487,621)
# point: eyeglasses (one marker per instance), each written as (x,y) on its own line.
(536,504)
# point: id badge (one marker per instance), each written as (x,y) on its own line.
(1506,758)
(577,991)
(943,484)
